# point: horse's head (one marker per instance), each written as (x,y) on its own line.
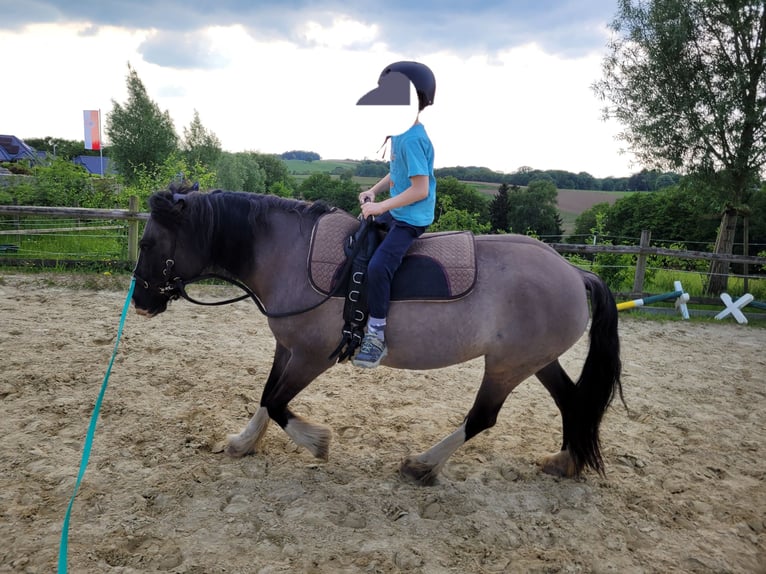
(169,253)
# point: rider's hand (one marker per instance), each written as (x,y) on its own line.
(371,209)
(366,196)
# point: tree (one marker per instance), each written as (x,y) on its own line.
(677,213)
(452,219)
(337,192)
(199,145)
(687,79)
(254,172)
(142,137)
(534,209)
(240,171)
(301,155)
(586,222)
(276,173)
(463,197)
(370,168)
(498,210)
(173,169)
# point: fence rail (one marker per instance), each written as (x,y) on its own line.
(641,250)
(58,229)
(131,215)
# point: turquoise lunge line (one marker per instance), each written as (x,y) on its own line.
(91,431)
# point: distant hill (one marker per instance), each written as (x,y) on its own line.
(575,200)
(644,180)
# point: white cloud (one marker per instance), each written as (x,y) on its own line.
(344,32)
(518,107)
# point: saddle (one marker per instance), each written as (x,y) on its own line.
(437,267)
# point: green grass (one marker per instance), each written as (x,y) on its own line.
(692,282)
(301,167)
(97,244)
(81,246)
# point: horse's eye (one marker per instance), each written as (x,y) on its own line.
(145,245)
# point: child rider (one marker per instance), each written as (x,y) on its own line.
(409,209)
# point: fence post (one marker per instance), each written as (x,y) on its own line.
(638,280)
(133,229)
(746,251)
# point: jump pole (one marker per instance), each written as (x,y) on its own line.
(679,295)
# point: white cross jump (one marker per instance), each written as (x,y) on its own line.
(733,307)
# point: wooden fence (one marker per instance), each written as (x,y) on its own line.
(131,215)
(643,250)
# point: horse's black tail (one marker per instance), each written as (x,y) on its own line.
(599,380)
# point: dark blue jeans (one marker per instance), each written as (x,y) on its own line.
(386,260)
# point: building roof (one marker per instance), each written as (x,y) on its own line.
(14,149)
(92,163)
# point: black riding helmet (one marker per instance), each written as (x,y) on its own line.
(394,86)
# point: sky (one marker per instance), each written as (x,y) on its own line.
(513,77)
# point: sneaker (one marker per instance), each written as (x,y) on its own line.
(371,352)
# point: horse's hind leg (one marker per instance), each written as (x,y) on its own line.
(495,388)
(562,389)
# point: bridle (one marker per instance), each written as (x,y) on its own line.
(174,288)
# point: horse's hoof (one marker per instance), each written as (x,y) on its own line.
(321,448)
(418,472)
(233,447)
(317,441)
(559,464)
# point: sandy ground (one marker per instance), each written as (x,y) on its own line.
(685,489)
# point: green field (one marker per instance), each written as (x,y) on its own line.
(571,202)
(301,167)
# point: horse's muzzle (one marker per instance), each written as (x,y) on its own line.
(147,303)
(146,313)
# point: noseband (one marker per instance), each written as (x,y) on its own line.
(173,288)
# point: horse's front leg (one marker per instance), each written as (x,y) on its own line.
(291,373)
(425,467)
(246,442)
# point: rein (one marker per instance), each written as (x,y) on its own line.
(175,288)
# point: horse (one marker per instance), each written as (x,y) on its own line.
(527,307)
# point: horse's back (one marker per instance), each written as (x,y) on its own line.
(527,301)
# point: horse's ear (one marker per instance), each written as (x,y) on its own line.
(167,208)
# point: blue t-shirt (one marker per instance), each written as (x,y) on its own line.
(413,154)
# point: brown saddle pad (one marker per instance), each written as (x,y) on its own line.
(438,266)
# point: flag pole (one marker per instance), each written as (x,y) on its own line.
(101,144)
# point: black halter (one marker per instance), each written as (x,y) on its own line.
(175,288)
(172,288)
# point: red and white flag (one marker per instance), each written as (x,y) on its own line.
(92,119)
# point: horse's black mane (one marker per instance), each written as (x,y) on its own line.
(181,203)
(225,223)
